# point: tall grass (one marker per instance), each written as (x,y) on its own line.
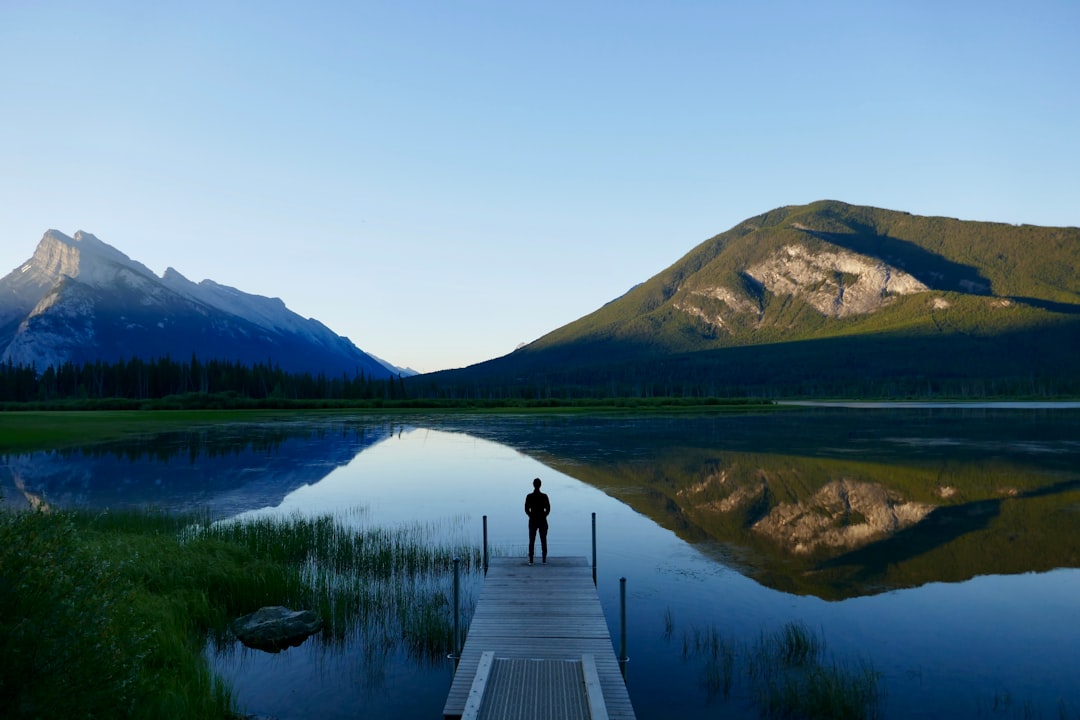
(785,673)
(109,614)
(374,581)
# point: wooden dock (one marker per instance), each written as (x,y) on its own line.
(538,647)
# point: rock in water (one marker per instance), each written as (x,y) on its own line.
(274,629)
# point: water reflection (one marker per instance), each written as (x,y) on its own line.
(936,543)
(837,503)
(833,503)
(225,470)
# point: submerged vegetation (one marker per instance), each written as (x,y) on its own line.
(109,614)
(785,673)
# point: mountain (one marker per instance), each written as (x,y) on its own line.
(79,299)
(824,298)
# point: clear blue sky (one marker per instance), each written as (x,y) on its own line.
(441,181)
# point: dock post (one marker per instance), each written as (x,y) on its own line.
(485,546)
(622,627)
(594,549)
(457,610)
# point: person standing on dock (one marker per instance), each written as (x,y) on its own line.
(537,507)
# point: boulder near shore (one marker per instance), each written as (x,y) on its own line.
(276,628)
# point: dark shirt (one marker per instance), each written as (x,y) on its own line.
(537,507)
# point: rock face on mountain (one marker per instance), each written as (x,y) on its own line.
(836,284)
(79,299)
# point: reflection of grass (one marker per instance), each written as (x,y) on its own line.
(107,615)
(1003,705)
(784,672)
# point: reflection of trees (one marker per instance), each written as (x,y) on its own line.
(217,443)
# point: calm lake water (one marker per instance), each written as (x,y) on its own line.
(938,545)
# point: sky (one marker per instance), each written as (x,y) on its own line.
(443,181)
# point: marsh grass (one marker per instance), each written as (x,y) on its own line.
(786,673)
(109,614)
(360,579)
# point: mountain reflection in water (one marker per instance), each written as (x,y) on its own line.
(837,503)
(226,470)
(826,502)
(739,522)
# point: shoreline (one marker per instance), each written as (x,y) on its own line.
(961,405)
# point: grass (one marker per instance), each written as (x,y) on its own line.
(371,581)
(785,673)
(23,429)
(108,615)
(39,430)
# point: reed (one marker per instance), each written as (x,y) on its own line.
(785,673)
(359,578)
(823,691)
(108,614)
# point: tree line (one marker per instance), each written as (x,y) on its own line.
(1039,363)
(140,379)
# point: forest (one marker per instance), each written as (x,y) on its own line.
(139,380)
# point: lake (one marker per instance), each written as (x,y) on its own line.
(937,545)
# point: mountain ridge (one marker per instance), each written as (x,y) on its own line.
(79,299)
(828,283)
(727,266)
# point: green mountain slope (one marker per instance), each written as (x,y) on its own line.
(822,298)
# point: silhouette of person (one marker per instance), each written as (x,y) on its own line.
(537,508)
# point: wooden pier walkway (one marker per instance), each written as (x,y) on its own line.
(538,647)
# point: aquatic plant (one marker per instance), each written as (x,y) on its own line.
(784,672)
(108,614)
(823,691)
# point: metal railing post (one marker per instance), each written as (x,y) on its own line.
(594,549)
(622,627)
(457,609)
(485,546)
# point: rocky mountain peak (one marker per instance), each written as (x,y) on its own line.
(83,257)
(56,255)
(83,300)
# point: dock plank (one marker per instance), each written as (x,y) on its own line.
(540,612)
